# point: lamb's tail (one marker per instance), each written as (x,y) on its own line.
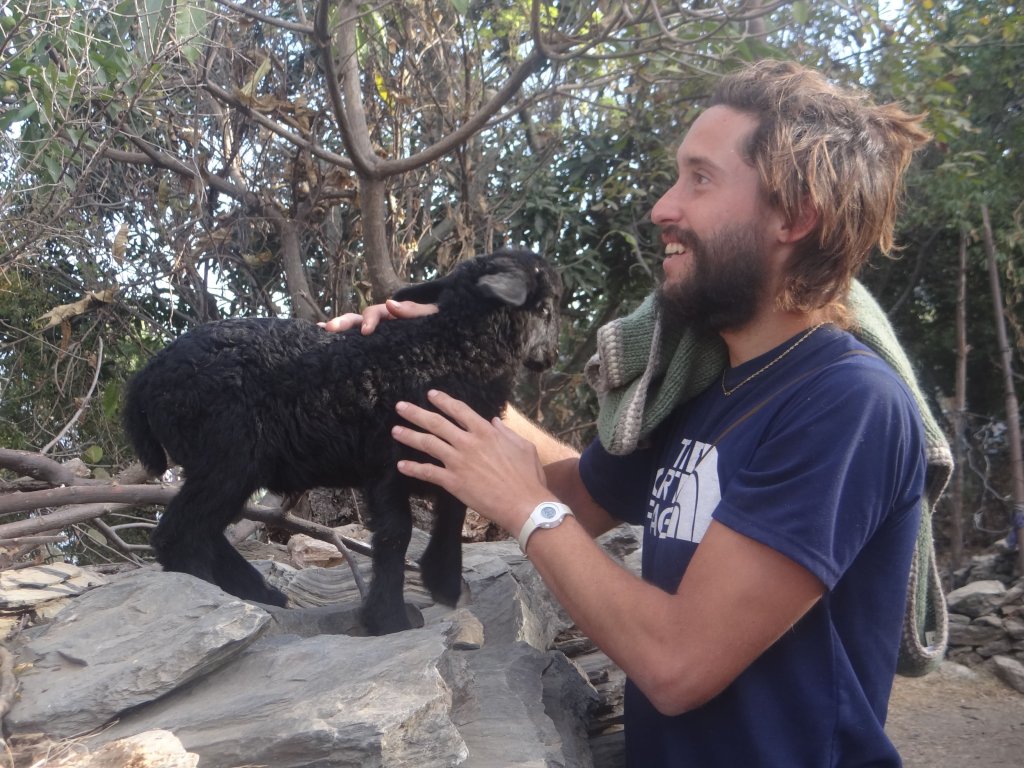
(136,424)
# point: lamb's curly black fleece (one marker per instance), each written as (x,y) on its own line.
(281,404)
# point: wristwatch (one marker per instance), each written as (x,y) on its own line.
(547,514)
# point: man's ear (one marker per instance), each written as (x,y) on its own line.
(805,222)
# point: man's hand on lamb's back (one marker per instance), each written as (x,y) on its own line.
(374,314)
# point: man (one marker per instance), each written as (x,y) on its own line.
(781,504)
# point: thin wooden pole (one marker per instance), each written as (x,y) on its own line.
(1012,409)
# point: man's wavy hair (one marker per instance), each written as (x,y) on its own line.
(832,149)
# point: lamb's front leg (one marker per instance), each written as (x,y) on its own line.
(391,521)
(441,564)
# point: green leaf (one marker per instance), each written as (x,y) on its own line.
(111,400)
(801,12)
(190,22)
(96,536)
(93,454)
(9,118)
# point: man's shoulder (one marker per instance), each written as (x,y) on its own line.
(849,364)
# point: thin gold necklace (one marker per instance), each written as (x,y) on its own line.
(766,366)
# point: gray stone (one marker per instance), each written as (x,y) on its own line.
(964,656)
(318,702)
(975,634)
(301,687)
(1010,671)
(127,644)
(466,633)
(995,648)
(1014,595)
(28,587)
(514,704)
(977,598)
(506,593)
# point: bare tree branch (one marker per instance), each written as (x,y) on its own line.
(85,402)
(37,466)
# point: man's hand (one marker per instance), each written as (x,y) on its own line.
(482,463)
(375,313)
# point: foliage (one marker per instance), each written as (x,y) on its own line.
(209,158)
(960,62)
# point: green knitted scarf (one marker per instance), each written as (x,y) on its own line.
(643,370)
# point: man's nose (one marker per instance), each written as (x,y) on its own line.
(668,209)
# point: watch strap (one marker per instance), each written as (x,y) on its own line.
(547,514)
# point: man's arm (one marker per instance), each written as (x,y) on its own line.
(561,470)
(737,598)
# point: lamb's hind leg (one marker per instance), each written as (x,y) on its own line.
(391,520)
(190,538)
(441,564)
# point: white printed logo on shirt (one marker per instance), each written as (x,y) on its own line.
(685,494)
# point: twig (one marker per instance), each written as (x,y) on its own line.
(340,544)
(85,403)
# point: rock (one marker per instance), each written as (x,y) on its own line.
(508,596)
(1014,595)
(993,565)
(953,671)
(152,749)
(466,633)
(977,598)
(995,648)
(975,634)
(325,701)
(240,684)
(513,708)
(964,656)
(125,645)
(305,551)
(1010,671)
(27,587)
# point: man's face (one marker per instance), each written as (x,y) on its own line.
(719,268)
(726,284)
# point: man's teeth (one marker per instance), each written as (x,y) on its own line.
(671,249)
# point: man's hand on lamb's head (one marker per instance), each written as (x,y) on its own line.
(372,316)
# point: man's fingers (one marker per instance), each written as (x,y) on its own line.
(342,322)
(407,309)
(430,422)
(374,314)
(456,410)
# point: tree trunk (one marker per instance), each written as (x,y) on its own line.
(303,305)
(1012,410)
(376,243)
(960,409)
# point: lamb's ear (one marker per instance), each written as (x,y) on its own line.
(423,293)
(509,287)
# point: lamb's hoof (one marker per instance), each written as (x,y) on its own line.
(393,622)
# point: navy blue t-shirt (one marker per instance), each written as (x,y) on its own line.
(829,472)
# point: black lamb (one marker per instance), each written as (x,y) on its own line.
(249,403)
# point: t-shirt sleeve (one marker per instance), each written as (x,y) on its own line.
(840,457)
(620,484)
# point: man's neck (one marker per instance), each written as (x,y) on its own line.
(767,331)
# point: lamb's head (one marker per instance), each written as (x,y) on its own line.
(513,277)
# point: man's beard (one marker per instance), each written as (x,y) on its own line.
(727,284)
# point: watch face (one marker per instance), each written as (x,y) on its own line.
(548,512)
